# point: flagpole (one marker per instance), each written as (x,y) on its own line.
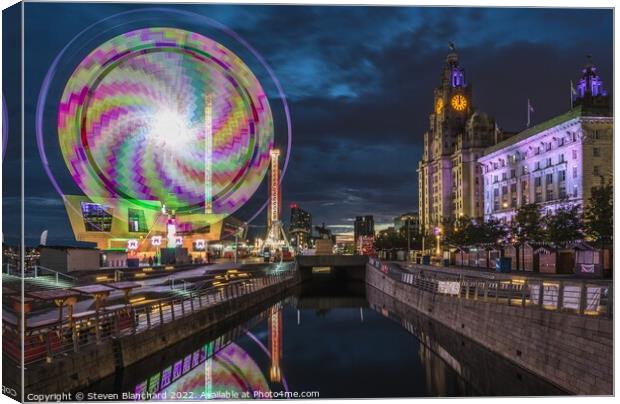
(528,113)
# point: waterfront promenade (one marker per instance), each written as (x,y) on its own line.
(560,329)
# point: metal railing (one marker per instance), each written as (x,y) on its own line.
(578,296)
(42,271)
(47,340)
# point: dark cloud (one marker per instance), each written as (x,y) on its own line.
(359,81)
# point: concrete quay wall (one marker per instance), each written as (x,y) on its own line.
(571,351)
(95,362)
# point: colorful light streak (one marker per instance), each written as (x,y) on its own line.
(178,17)
(136,109)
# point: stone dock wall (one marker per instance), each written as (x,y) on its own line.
(574,352)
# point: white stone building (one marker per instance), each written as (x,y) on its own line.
(554,163)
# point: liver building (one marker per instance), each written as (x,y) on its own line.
(450,179)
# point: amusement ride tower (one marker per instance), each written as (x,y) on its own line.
(276,238)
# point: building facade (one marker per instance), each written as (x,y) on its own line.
(410,219)
(300,227)
(363,226)
(450,180)
(554,163)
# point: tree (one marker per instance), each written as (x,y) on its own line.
(563,226)
(526,226)
(599,214)
(389,239)
(599,217)
(493,231)
(460,232)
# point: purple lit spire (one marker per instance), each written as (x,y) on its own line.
(457,73)
(590,83)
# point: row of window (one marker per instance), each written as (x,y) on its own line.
(538,198)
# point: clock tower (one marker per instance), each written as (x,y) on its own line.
(450,183)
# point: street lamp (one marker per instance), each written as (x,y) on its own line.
(408,238)
(438,240)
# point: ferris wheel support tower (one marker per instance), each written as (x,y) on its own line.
(276,237)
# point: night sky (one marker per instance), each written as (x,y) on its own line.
(359,83)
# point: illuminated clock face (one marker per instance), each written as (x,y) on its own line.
(439,106)
(459,102)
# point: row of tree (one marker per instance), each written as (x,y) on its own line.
(566,224)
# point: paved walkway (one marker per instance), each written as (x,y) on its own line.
(154,285)
(491,274)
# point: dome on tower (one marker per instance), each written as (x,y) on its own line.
(479,118)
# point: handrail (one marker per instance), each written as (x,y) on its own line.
(577,296)
(38,268)
(46,341)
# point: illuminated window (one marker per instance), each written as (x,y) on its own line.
(136,221)
(549,179)
(96,218)
(550,194)
(562,175)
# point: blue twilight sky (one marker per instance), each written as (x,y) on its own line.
(359,83)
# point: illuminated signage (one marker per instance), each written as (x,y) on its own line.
(156,241)
(200,244)
(132,244)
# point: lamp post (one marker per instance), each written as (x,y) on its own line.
(408,239)
(438,240)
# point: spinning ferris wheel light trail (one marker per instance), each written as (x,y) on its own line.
(208,153)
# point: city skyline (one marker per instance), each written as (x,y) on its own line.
(345,115)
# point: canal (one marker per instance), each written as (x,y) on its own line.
(325,339)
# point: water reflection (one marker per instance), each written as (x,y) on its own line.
(226,374)
(348,342)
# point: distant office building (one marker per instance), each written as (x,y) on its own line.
(410,219)
(363,226)
(300,227)
(554,163)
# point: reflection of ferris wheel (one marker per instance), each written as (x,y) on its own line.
(163,114)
